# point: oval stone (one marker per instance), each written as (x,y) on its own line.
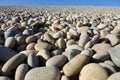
(21,71)
(12,63)
(75,65)
(93,71)
(43,73)
(10,42)
(58,61)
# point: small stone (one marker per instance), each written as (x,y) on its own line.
(57,61)
(30,46)
(102,26)
(43,73)
(31,39)
(93,71)
(101,47)
(49,38)
(27,52)
(58,26)
(6,53)
(42,45)
(33,60)
(101,56)
(115,55)
(61,43)
(75,65)
(114,39)
(70,42)
(110,63)
(83,39)
(10,42)
(56,52)
(21,71)
(20,40)
(12,63)
(115,76)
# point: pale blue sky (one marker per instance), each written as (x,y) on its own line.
(62,2)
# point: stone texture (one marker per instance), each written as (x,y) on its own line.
(115,76)
(10,42)
(6,53)
(21,71)
(43,73)
(93,71)
(75,65)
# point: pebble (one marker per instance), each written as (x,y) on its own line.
(65,78)
(102,26)
(58,61)
(83,39)
(33,60)
(101,47)
(10,42)
(20,40)
(49,38)
(61,43)
(11,33)
(4,78)
(21,71)
(108,68)
(115,76)
(75,65)
(101,56)
(42,45)
(6,53)
(110,63)
(114,54)
(27,52)
(30,46)
(31,39)
(43,73)
(56,52)
(21,47)
(93,71)
(12,63)
(114,39)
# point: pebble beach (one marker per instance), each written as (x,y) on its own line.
(59,43)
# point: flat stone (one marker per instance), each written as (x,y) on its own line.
(43,73)
(21,71)
(115,55)
(12,63)
(57,61)
(6,53)
(75,65)
(93,71)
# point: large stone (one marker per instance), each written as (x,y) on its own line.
(93,71)
(115,76)
(9,67)
(6,53)
(43,73)
(57,61)
(115,55)
(75,65)
(21,71)
(31,39)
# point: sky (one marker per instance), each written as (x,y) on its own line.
(61,2)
